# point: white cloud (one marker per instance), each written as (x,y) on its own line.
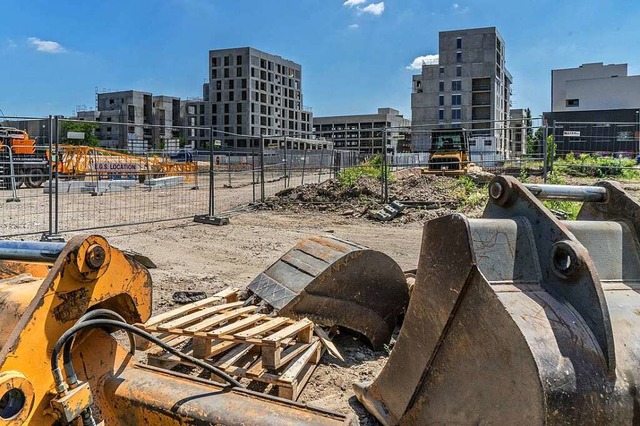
(11,44)
(46,46)
(351,3)
(458,9)
(374,8)
(354,26)
(423,60)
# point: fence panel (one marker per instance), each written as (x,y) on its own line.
(24,208)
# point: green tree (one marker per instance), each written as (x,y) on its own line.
(88,128)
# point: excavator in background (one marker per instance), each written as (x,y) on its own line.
(514,318)
(449,154)
(30,166)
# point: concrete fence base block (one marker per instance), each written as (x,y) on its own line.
(164,182)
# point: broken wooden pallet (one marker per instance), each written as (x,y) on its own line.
(278,351)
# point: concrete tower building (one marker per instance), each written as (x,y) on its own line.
(469,87)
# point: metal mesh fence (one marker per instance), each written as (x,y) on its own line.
(52,183)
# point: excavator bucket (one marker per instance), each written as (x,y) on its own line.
(520,318)
(335,282)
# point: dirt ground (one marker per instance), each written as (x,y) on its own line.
(206,258)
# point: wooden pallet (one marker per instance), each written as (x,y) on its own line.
(278,351)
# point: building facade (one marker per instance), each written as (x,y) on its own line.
(594,87)
(250,93)
(363,133)
(469,87)
(136,121)
(520,128)
(595,108)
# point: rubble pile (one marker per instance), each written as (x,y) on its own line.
(426,197)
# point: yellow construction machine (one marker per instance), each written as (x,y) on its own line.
(514,318)
(449,154)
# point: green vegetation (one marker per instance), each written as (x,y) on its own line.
(371,168)
(568,209)
(89,130)
(470,194)
(590,165)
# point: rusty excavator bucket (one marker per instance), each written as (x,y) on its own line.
(335,282)
(521,318)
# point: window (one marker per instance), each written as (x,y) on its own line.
(244,83)
(244,95)
(441,114)
(226,61)
(214,73)
(442,86)
(231,96)
(441,71)
(218,85)
(572,103)
(214,109)
(456,85)
(458,57)
(459,71)
(238,107)
(231,84)
(214,62)
(456,99)
(441,100)
(226,73)
(191,109)
(472,142)
(238,60)
(456,114)
(488,142)
(238,72)
(459,43)
(219,97)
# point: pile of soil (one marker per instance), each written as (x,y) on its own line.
(426,197)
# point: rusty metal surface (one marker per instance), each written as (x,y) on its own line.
(335,282)
(520,318)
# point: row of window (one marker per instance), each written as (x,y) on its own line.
(263,75)
(456,114)
(455,100)
(458,71)
(456,86)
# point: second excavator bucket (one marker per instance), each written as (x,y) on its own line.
(520,318)
(335,282)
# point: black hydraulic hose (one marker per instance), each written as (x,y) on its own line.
(72,378)
(57,374)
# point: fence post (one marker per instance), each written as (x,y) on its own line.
(212,177)
(253,175)
(262,168)
(385,192)
(12,178)
(285,162)
(304,163)
(545,165)
(50,183)
(211,218)
(321,161)
(229,168)
(57,196)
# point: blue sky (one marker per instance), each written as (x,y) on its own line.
(354,55)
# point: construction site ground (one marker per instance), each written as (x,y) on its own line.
(195,257)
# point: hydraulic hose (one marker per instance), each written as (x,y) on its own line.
(72,378)
(59,379)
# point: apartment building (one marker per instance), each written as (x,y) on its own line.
(363,132)
(469,87)
(136,121)
(250,93)
(520,127)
